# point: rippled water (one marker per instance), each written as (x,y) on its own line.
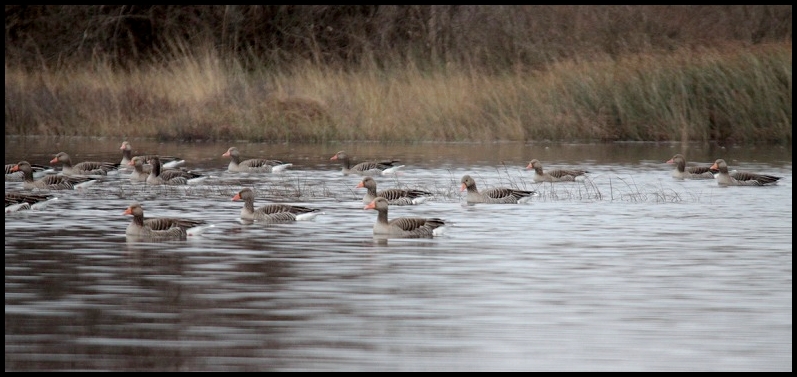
(627,271)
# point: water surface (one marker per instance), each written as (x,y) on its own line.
(629,270)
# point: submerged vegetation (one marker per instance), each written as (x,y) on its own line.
(389,73)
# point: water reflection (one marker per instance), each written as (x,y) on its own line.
(629,270)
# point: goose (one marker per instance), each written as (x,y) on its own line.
(50,182)
(385,167)
(160,176)
(38,171)
(272,213)
(394,196)
(692,172)
(403,227)
(167,161)
(259,165)
(498,195)
(162,228)
(741,178)
(83,168)
(140,171)
(18,201)
(554,175)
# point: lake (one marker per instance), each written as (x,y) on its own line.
(628,270)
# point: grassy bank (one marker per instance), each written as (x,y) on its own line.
(735,93)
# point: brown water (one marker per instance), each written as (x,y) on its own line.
(627,271)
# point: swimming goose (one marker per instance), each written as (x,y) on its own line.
(160,176)
(140,170)
(394,196)
(38,171)
(83,168)
(254,165)
(50,182)
(162,228)
(741,178)
(384,167)
(167,161)
(692,172)
(403,227)
(272,213)
(497,195)
(18,201)
(554,175)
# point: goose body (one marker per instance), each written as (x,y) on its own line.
(554,175)
(497,195)
(371,168)
(681,171)
(166,161)
(160,176)
(403,227)
(261,165)
(272,213)
(741,178)
(19,201)
(50,182)
(161,228)
(394,196)
(38,171)
(83,168)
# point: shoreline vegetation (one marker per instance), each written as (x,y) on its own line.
(732,88)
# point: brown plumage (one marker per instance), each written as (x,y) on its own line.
(553,175)
(167,161)
(498,195)
(741,178)
(394,196)
(403,227)
(159,227)
(49,182)
(160,176)
(18,201)
(252,165)
(366,167)
(83,168)
(271,213)
(692,172)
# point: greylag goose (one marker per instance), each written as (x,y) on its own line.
(167,161)
(253,165)
(272,213)
(38,171)
(741,178)
(83,168)
(160,176)
(692,172)
(497,195)
(394,196)
(140,170)
(162,228)
(18,201)
(554,175)
(52,181)
(403,227)
(384,167)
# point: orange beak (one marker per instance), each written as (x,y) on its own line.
(128,211)
(670,161)
(54,160)
(131,163)
(236,198)
(335,157)
(15,168)
(463,188)
(371,205)
(714,167)
(529,167)
(226,154)
(360,185)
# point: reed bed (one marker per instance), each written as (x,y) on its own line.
(732,93)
